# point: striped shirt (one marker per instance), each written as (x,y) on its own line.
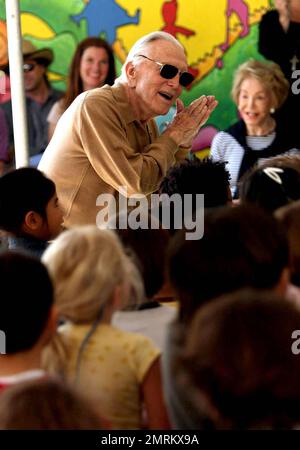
(225,148)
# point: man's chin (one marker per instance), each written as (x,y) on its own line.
(163,111)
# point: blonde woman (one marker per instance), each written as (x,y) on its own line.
(92,278)
(259,90)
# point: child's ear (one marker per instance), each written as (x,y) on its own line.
(50,327)
(117,300)
(32,221)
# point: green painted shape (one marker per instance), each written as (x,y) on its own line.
(57,14)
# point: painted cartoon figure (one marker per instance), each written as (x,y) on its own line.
(105,16)
(240,8)
(169,13)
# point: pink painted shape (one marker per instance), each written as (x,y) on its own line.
(241,9)
(204,138)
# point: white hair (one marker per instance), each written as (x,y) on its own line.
(143,42)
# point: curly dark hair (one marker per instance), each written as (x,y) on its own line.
(197,176)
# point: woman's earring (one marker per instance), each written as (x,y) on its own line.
(272,110)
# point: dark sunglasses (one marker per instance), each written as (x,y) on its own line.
(28,67)
(168,72)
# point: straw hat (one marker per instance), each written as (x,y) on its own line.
(30,51)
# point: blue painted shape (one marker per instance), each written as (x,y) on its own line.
(105,16)
(163,121)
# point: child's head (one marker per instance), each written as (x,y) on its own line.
(241,246)
(47,404)
(289,217)
(26,300)
(89,269)
(207,177)
(29,205)
(189,180)
(270,187)
(237,364)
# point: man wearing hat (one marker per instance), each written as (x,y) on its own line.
(40,97)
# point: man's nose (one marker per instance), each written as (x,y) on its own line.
(250,101)
(96,67)
(174,82)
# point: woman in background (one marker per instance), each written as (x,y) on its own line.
(92,66)
(259,89)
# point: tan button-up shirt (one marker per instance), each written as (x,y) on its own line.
(99,146)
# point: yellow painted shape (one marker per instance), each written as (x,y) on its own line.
(202,153)
(36,27)
(53,76)
(3,43)
(208,21)
(150,20)
(119,51)
(201,20)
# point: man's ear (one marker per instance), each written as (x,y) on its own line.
(50,327)
(52,320)
(130,71)
(32,221)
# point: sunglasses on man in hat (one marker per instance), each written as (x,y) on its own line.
(43,56)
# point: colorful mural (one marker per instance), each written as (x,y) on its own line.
(217,35)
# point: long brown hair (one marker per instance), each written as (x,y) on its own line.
(75,86)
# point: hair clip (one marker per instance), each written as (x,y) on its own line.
(272,172)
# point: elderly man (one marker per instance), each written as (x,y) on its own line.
(107,139)
(40,97)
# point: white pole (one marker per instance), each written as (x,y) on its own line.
(17,82)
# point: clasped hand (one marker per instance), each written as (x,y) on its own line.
(187,121)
